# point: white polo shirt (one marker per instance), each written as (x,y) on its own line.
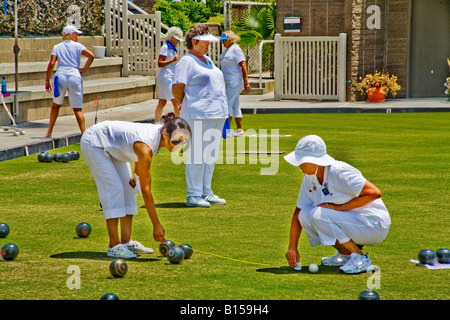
(117,138)
(205,96)
(343,183)
(69,54)
(229,63)
(169,54)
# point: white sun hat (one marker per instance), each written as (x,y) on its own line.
(206,37)
(310,149)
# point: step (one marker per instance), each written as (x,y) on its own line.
(35,103)
(266,86)
(34,73)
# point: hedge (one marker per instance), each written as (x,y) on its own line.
(48,17)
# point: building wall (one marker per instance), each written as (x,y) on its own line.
(384,47)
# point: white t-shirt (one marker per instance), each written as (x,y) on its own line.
(343,183)
(229,63)
(205,96)
(69,54)
(117,138)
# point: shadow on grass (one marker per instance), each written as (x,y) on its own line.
(96,256)
(290,270)
(170,205)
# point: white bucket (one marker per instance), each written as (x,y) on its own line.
(99,52)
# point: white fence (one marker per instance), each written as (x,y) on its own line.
(137,37)
(310,67)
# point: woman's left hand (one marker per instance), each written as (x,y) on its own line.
(132,182)
(247,88)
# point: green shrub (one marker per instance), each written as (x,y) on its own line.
(48,17)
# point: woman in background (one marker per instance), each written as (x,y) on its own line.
(234,69)
(68,77)
(167,60)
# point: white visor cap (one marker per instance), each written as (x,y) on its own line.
(178,38)
(310,149)
(206,37)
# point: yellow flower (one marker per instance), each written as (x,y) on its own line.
(381,80)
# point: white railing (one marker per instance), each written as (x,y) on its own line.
(137,37)
(310,67)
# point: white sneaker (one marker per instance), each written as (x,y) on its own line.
(120,251)
(357,264)
(238,133)
(337,260)
(138,248)
(197,202)
(213,199)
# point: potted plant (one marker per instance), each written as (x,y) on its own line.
(377,85)
(447,84)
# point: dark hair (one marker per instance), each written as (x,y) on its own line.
(196,30)
(172,123)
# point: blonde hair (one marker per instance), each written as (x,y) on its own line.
(173,31)
(232,37)
(67,36)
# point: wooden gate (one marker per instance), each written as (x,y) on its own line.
(310,67)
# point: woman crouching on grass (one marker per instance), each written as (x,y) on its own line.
(108,148)
(336,206)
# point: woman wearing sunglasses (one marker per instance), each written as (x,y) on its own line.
(108,148)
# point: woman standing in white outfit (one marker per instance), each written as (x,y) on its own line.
(234,69)
(68,77)
(108,148)
(336,206)
(200,88)
(167,60)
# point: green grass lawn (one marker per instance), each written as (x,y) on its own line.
(238,248)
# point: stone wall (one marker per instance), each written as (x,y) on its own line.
(34,49)
(370,47)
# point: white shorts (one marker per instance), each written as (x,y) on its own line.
(112,177)
(73,84)
(325,226)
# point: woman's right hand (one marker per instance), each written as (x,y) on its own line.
(159,233)
(48,87)
(292,257)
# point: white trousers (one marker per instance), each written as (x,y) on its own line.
(233,90)
(325,226)
(202,155)
(112,177)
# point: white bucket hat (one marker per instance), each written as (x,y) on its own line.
(310,149)
(71,29)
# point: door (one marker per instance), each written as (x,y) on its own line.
(430,48)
